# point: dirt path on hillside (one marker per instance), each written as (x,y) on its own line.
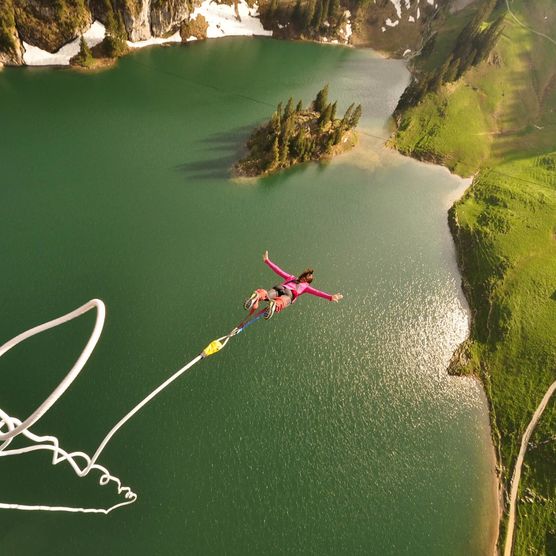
(517,471)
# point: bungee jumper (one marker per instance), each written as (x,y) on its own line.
(278,297)
(281,296)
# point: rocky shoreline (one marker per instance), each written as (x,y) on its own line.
(33,32)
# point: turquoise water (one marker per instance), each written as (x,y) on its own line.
(332,428)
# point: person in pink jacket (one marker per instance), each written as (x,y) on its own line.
(279,297)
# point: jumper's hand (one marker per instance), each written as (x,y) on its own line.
(336,297)
(265,256)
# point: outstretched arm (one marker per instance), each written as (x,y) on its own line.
(276,268)
(313,291)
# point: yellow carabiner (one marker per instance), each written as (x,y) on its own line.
(212,348)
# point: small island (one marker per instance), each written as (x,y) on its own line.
(296,134)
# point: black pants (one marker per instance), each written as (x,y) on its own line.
(281,291)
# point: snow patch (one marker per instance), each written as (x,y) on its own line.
(406,52)
(391,23)
(95,34)
(398,6)
(383,29)
(418,13)
(345,30)
(411,19)
(35,56)
(222,21)
(155,40)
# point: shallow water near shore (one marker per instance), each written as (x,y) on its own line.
(330,429)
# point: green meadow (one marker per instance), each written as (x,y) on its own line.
(498,123)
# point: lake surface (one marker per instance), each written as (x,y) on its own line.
(331,428)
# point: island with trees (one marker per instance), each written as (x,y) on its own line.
(295,134)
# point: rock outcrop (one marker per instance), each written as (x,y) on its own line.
(195,27)
(49,25)
(392,26)
(11,51)
(137,18)
(168,15)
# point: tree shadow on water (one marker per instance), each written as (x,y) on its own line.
(224,149)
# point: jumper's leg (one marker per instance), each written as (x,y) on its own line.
(256,296)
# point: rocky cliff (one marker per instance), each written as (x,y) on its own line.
(11,51)
(395,27)
(145,19)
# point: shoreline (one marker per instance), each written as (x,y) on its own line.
(494,448)
(223,20)
(455,368)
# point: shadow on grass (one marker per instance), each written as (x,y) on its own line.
(223,149)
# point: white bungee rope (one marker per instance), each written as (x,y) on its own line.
(10,427)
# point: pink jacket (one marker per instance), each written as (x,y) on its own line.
(297,288)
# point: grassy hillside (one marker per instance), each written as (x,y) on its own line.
(507,244)
(498,121)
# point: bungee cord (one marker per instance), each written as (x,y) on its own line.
(11,427)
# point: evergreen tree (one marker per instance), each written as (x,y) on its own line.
(287,131)
(289,109)
(334,13)
(110,26)
(7,29)
(309,14)
(297,14)
(453,71)
(279,111)
(321,100)
(410,97)
(317,18)
(356,116)
(325,11)
(121,30)
(469,40)
(325,116)
(347,116)
(295,145)
(333,112)
(274,127)
(274,155)
(299,107)
(428,47)
(439,75)
(489,38)
(85,57)
(272,12)
(114,40)
(284,153)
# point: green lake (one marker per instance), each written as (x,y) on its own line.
(331,428)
